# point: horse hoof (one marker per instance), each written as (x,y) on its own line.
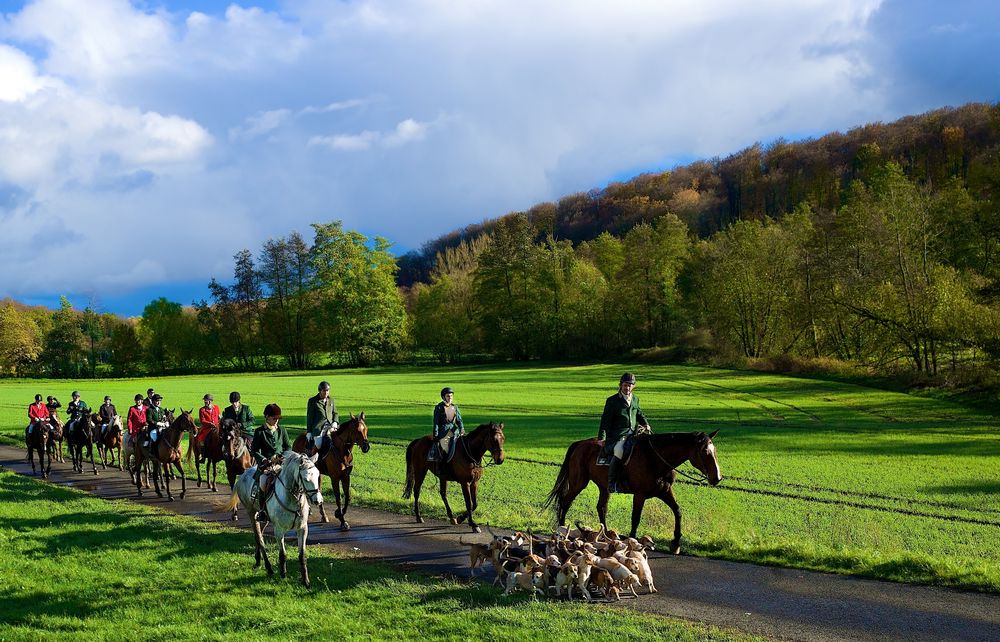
(476,529)
(420,520)
(675,550)
(170,499)
(453,521)
(307,584)
(215,490)
(257,565)
(339,515)
(345,527)
(324,519)
(236,519)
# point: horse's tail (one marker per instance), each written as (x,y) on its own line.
(234,500)
(408,491)
(561,487)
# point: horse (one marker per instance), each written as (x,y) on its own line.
(296,487)
(110,441)
(650,472)
(82,433)
(339,462)
(235,452)
(56,435)
(466,468)
(129,448)
(167,453)
(38,440)
(209,451)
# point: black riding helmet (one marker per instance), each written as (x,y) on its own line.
(138,398)
(38,398)
(234,397)
(628,377)
(323,385)
(446,391)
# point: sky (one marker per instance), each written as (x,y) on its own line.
(144,143)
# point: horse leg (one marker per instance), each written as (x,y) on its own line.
(668,498)
(120,465)
(215,475)
(282,553)
(345,481)
(180,471)
(303,534)
(444,497)
(602,507)
(90,453)
(339,514)
(31,458)
(259,537)
(467,494)
(638,501)
(576,485)
(418,480)
(155,472)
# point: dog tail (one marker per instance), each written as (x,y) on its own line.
(408,490)
(561,487)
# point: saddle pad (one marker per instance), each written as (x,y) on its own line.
(605,460)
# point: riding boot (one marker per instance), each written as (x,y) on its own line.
(615,482)
(324,448)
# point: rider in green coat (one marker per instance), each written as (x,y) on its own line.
(76,410)
(620,419)
(447,426)
(156,420)
(321,417)
(239,413)
(269,440)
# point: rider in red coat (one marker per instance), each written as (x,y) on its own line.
(208,417)
(136,417)
(38,413)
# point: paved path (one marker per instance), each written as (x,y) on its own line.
(777,602)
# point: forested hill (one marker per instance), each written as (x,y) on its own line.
(762,181)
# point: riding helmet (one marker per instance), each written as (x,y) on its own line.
(234,397)
(324,385)
(628,377)
(157,397)
(76,393)
(446,391)
(272,410)
(208,397)
(38,398)
(138,398)
(107,397)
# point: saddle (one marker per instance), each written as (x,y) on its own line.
(604,456)
(434,454)
(270,474)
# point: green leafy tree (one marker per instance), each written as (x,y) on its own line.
(64,344)
(20,340)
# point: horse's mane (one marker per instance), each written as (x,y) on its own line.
(482,428)
(676,438)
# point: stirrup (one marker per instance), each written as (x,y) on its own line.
(261,517)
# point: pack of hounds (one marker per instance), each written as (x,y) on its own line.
(582,561)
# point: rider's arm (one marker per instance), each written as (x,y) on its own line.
(439,420)
(640,419)
(336,417)
(606,418)
(255,449)
(458,422)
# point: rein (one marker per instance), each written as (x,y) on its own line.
(700,479)
(296,492)
(477,463)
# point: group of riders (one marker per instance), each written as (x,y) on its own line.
(146,418)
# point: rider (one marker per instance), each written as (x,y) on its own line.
(239,413)
(321,418)
(148,401)
(447,426)
(136,417)
(269,440)
(618,422)
(208,416)
(107,412)
(76,410)
(38,414)
(156,420)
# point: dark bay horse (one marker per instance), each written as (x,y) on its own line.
(209,451)
(82,434)
(166,453)
(466,468)
(111,441)
(650,472)
(38,441)
(339,462)
(56,435)
(235,449)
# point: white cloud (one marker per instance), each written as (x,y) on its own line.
(407,131)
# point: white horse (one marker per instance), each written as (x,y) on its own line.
(296,487)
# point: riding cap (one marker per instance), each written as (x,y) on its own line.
(272,410)
(76,393)
(447,391)
(208,398)
(157,397)
(324,385)
(107,397)
(149,391)
(138,397)
(628,377)
(39,397)
(234,397)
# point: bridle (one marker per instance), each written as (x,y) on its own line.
(479,463)
(699,479)
(297,490)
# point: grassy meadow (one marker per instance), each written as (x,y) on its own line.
(72,565)
(818,474)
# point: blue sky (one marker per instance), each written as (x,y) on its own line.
(143,143)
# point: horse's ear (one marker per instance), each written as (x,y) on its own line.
(190,411)
(713,434)
(171,411)
(314,458)
(352,416)
(362,415)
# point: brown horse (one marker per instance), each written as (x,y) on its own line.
(650,472)
(209,451)
(56,435)
(166,453)
(466,468)
(339,462)
(235,452)
(82,434)
(111,441)
(130,447)
(38,441)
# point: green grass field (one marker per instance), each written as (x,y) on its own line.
(72,565)
(818,474)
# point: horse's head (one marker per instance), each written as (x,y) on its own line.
(309,478)
(494,442)
(704,458)
(228,433)
(185,422)
(359,431)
